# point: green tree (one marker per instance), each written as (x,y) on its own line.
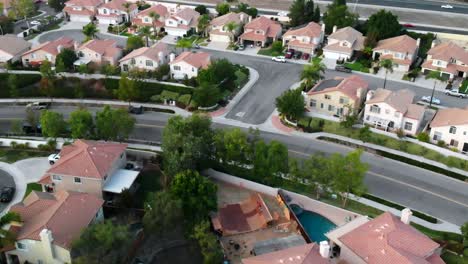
(320,173)
(349,174)
(201,9)
(278,161)
(102,243)
(317,15)
(60,65)
(208,243)
(384,24)
(22,9)
(134,42)
(146,33)
(464,232)
(339,2)
(57,5)
(81,123)
(291,104)
(222,8)
(162,210)
(109,69)
(232,146)
(312,73)
(128,90)
(187,144)
(365,134)
(197,193)
(32,118)
(83,69)
(297,13)
(8,238)
(90,30)
(52,124)
(16,127)
(231,27)
(6,24)
(203,23)
(349,120)
(388,65)
(126,6)
(154,18)
(206,95)
(114,124)
(277,48)
(338,15)
(13,85)
(437,77)
(184,43)
(221,73)
(46,70)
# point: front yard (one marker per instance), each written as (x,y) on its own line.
(357,66)
(464,86)
(32,187)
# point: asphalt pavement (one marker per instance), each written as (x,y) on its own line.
(42,6)
(5,181)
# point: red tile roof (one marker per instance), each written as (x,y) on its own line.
(303,254)
(270,27)
(118,5)
(149,52)
(450,117)
(348,86)
(88,159)
(447,51)
(158,9)
(229,17)
(312,30)
(387,240)
(197,60)
(51,47)
(93,3)
(106,48)
(403,43)
(84,11)
(65,214)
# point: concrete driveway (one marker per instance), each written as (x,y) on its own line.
(217,45)
(33,169)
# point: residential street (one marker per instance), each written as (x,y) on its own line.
(417,188)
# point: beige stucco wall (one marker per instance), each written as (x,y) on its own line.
(388,113)
(333,101)
(38,56)
(140,63)
(461,135)
(185,70)
(36,250)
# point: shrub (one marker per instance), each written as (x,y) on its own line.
(465,252)
(50,146)
(168,95)
(400,133)
(441,143)
(184,99)
(365,134)
(451,161)
(415,149)
(393,144)
(16,145)
(433,155)
(423,137)
(156,98)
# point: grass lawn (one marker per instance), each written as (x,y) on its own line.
(9,155)
(357,66)
(451,258)
(32,187)
(316,60)
(269,52)
(464,87)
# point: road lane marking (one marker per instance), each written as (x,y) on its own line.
(148,125)
(418,188)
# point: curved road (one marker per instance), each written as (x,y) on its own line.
(5,181)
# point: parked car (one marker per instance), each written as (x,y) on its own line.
(289,54)
(342,68)
(447,6)
(456,93)
(428,100)
(35,22)
(279,59)
(196,46)
(241,47)
(53,158)
(297,55)
(38,105)
(137,110)
(29,129)
(7,194)
(305,56)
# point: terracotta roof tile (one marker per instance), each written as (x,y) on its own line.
(188,14)
(450,117)
(99,46)
(12,44)
(158,9)
(149,52)
(84,11)
(93,3)
(272,28)
(118,5)
(51,47)
(398,100)
(66,214)
(402,43)
(303,254)
(447,51)
(312,30)
(198,60)
(348,86)
(229,17)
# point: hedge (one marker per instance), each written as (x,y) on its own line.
(185,99)
(168,95)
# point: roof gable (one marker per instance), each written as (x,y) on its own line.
(312,30)
(402,43)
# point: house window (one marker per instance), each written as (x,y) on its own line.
(21,246)
(331,108)
(193,69)
(438,62)
(437,136)
(77,180)
(33,56)
(453,143)
(56,177)
(453,130)
(408,126)
(327,96)
(344,100)
(313,103)
(132,61)
(375,109)
(367,117)
(176,68)
(321,105)
(146,20)
(149,63)
(104,11)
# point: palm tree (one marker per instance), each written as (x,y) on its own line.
(437,77)
(90,31)
(145,32)
(230,27)
(184,43)
(312,73)
(387,64)
(127,6)
(154,17)
(203,22)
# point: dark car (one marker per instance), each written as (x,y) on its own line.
(7,194)
(305,56)
(29,129)
(137,110)
(297,55)
(342,68)
(288,55)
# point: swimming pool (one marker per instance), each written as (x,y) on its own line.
(314,224)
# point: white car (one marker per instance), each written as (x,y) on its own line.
(53,158)
(446,6)
(428,100)
(35,22)
(455,93)
(283,14)
(279,59)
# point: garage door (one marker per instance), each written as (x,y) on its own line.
(334,55)
(175,32)
(106,21)
(80,19)
(219,38)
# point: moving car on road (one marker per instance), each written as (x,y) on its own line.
(137,110)
(38,105)
(447,6)
(7,193)
(342,68)
(427,99)
(279,59)
(455,93)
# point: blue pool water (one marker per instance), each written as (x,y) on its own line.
(315,225)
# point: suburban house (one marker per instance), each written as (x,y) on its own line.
(188,64)
(384,239)
(115,12)
(92,167)
(448,58)
(337,97)
(182,22)
(343,43)
(306,38)
(146,58)
(392,111)
(451,126)
(81,10)
(261,31)
(218,30)
(99,52)
(302,254)
(402,50)
(12,47)
(144,19)
(49,224)
(46,51)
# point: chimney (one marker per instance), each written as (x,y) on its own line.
(171,57)
(369,95)
(323,27)
(161,57)
(334,29)
(406,216)
(418,42)
(59,48)
(250,18)
(433,43)
(242,17)
(324,249)
(47,239)
(76,45)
